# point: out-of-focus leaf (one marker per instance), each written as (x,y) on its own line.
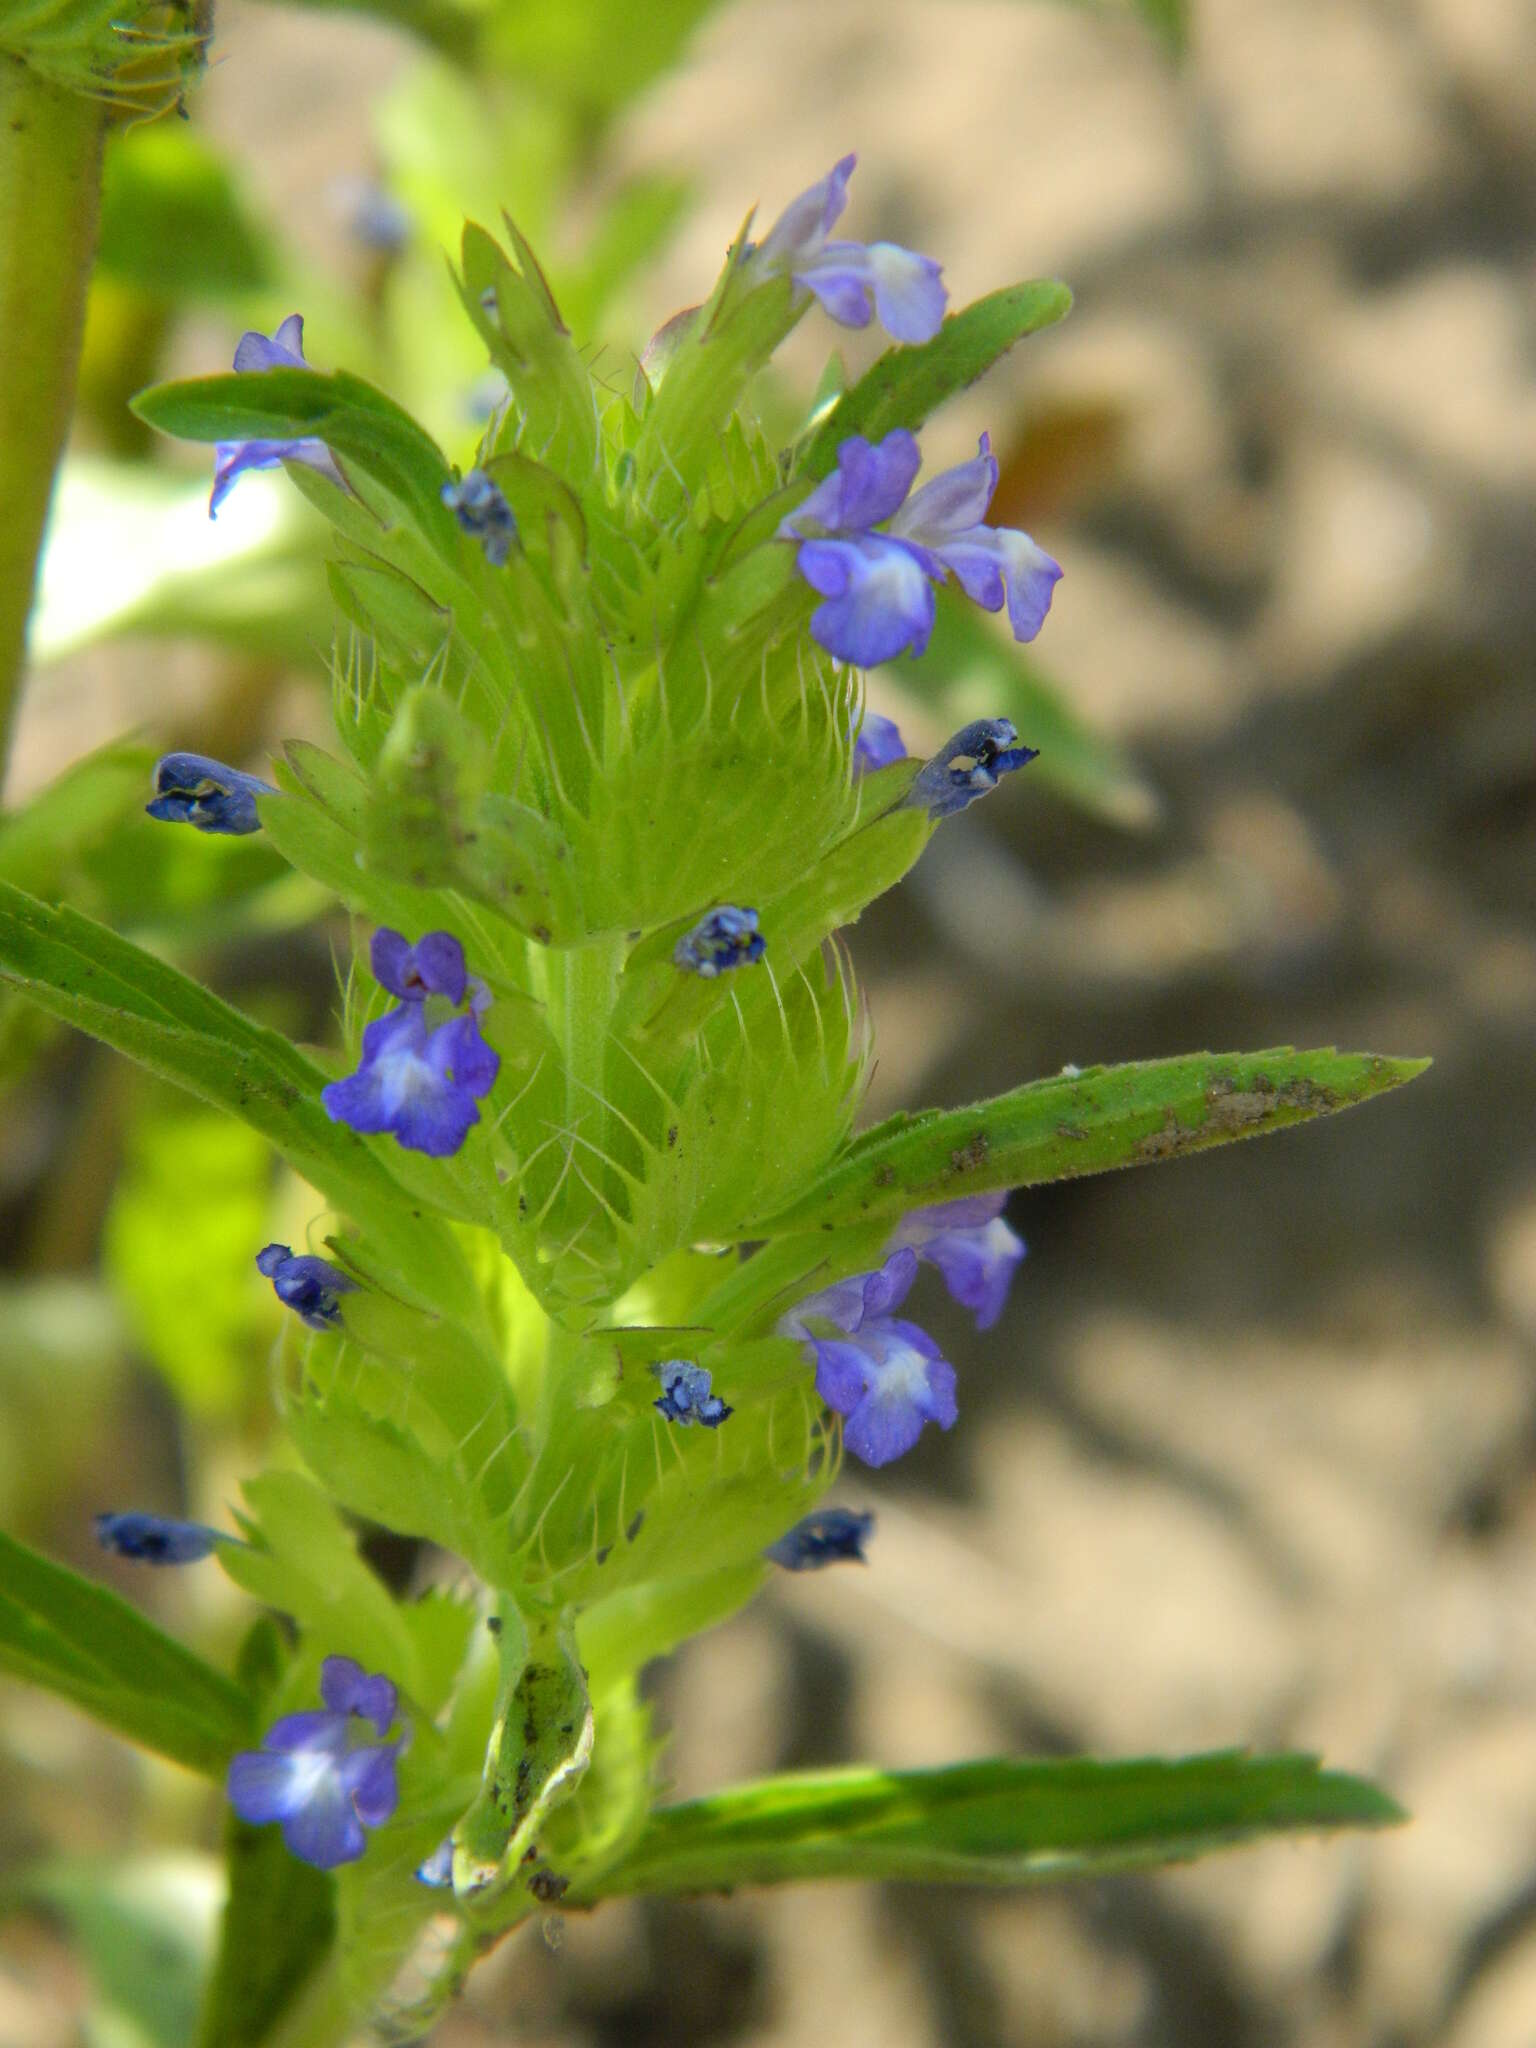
(144,1929)
(173,220)
(81,1641)
(187,1218)
(132,550)
(44,838)
(592,58)
(905,385)
(972,671)
(999,1822)
(279,1921)
(1085,1121)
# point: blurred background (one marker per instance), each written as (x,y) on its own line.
(1252,1458)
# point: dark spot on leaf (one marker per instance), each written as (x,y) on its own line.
(967,1157)
(671,1136)
(884,1175)
(547,1886)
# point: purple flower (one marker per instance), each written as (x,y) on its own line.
(878,585)
(853,281)
(318,1775)
(973,1248)
(967,766)
(157,1539)
(281,351)
(829,1536)
(192,790)
(877,745)
(419,1079)
(309,1286)
(726,938)
(481,509)
(685,1394)
(883,1375)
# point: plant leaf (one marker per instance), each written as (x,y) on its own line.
(82,1641)
(997,1822)
(1084,1121)
(356,422)
(905,385)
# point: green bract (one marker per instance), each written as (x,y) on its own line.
(565,753)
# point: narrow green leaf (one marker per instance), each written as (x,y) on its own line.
(973,671)
(358,423)
(998,1822)
(1085,1121)
(905,385)
(62,1632)
(279,1924)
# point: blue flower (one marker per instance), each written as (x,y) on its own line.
(319,1775)
(726,938)
(157,1539)
(853,281)
(281,351)
(481,509)
(878,744)
(421,1081)
(192,790)
(829,1536)
(309,1286)
(883,1375)
(685,1394)
(967,766)
(973,1248)
(878,585)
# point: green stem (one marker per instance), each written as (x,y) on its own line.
(50,188)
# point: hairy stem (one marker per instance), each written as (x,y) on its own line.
(50,187)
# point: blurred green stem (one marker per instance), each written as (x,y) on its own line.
(50,189)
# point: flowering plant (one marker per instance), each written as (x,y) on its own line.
(603,1286)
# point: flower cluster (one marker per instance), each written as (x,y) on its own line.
(725,938)
(420,1081)
(875,554)
(686,1394)
(885,1376)
(317,1773)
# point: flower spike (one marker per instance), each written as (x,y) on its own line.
(283,350)
(319,1775)
(190,789)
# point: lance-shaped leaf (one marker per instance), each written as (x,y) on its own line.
(905,385)
(1084,1121)
(998,1822)
(369,433)
(81,1641)
(84,974)
(554,408)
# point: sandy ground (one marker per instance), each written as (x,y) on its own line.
(1251,1457)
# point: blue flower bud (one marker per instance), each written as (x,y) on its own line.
(192,790)
(157,1539)
(307,1285)
(726,938)
(829,1536)
(482,510)
(967,766)
(685,1394)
